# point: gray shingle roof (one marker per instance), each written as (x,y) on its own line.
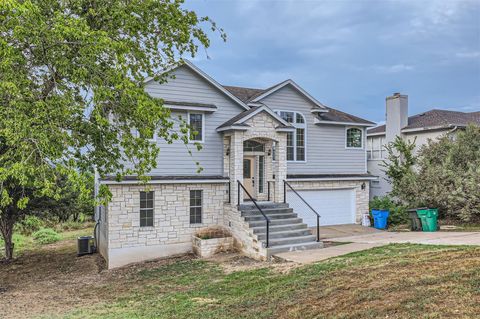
(339,116)
(248,94)
(239,116)
(436,118)
(244,94)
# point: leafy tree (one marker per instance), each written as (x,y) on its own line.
(444,174)
(399,168)
(72,91)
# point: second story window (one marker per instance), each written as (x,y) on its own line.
(295,140)
(375,149)
(196,122)
(354,138)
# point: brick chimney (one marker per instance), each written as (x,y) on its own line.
(396,115)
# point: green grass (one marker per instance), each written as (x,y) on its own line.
(200,289)
(24,243)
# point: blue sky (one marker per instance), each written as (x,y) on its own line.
(351,54)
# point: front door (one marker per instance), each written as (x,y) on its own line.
(249,175)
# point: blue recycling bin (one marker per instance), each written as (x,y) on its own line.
(380,218)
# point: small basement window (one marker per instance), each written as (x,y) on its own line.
(196,204)
(146,209)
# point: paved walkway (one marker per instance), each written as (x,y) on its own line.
(314,255)
(369,239)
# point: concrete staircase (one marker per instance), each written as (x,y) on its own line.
(287,230)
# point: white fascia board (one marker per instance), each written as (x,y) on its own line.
(375,134)
(296,86)
(372,178)
(319,111)
(430,128)
(317,121)
(233,128)
(178,181)
(190,108)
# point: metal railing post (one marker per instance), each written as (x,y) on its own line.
(267,220)
(285,184)
(284,192)
(238,195)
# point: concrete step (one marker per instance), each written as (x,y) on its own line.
(284,234)
(302,246)
(251,206)
(275,222)
(271,217)
(297,226)
(291,240)
(267,211)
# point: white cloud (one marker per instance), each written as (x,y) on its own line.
(468,55)
(387,69)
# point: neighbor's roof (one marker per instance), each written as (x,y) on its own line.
(248,95)
(435,119)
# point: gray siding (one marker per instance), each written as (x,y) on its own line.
(326,152)
(189,87)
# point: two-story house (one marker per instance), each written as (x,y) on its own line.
(418,128)
(279,147)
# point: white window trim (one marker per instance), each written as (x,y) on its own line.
(153,212)
(296,125)
(201,207)
(371,148)
(362,139)
(203,127)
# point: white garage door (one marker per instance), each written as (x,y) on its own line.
(335,206)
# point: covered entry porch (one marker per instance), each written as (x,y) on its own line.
(255,156)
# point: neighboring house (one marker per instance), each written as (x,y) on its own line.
(250,137)
(419,128)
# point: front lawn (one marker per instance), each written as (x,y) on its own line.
(394,281)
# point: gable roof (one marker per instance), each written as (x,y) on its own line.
(206,77)
(434,119)
(238,119)
(327,114)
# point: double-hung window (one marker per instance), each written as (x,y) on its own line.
(196,204)
(295,140)
(375,148)
(196,121)
(146,209)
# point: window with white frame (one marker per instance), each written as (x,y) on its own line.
(375,149)
(146,209)
(354,137)
(197,124)
(295,140)
(196,204)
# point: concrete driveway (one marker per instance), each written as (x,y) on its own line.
(436,238)
(361,238)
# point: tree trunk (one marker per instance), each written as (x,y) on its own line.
(7,221)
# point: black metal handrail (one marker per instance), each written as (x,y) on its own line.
(285,184)
(240,186)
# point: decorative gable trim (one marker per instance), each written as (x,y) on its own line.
(322,108)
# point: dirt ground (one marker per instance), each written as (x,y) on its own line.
(54,280)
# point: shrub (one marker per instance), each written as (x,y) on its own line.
(30,225)
(46,236)
(398,213)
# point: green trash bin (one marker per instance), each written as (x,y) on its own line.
(429,219)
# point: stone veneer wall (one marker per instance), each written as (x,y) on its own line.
(172,231)
(244,240)
(361,196)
